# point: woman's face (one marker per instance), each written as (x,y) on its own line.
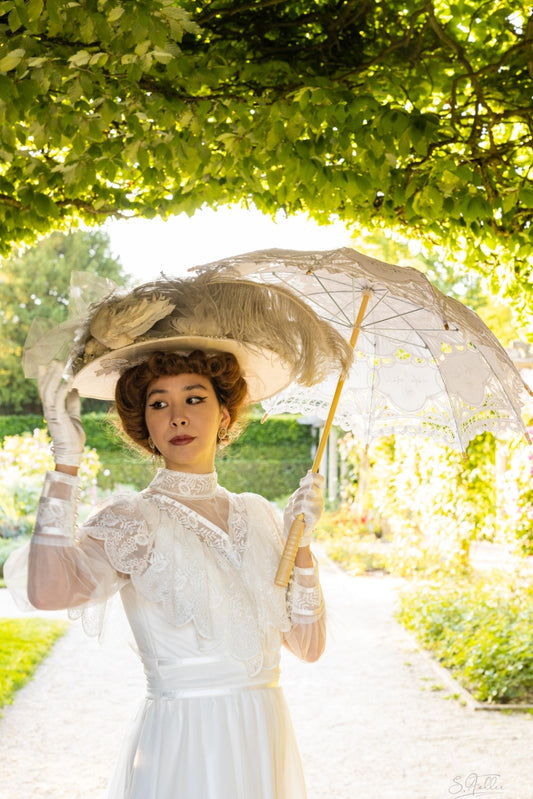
(183,417)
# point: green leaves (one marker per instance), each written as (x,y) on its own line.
(11,60)
(79,59)
(115,14)
(419,121)
(44,206)
(36,284)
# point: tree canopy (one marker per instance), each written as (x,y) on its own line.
(415,116)
(36,284)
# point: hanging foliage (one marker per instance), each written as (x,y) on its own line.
(415,117)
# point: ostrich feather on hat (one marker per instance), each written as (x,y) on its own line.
(275,336)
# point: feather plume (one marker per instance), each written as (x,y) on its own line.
(119,323)
(254,314)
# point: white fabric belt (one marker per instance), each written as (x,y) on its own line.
(190,677)
(218,690)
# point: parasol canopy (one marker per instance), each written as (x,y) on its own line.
(424,364)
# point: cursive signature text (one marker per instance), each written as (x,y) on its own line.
(475,785)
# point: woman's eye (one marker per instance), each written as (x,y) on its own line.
(157,405)
(195,400)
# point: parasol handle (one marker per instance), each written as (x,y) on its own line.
(292,543)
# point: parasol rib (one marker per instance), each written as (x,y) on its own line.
(295,533)
(372,392)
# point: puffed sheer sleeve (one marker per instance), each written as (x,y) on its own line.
(64,567)
(305,606)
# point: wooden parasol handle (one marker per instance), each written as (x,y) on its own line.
(297,528)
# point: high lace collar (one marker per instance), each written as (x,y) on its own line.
(184,485)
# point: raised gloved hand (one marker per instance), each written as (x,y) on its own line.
(62,411)
(309,500)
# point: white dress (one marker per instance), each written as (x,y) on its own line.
(207,728)
(208,623)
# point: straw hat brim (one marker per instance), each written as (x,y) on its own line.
(264,371)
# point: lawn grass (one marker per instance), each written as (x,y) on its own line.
(23,644)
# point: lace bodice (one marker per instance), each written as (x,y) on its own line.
(215,569)
(198,554)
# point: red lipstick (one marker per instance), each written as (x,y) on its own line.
(179,441)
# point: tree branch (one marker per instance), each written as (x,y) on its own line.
(453,45)
(529,50)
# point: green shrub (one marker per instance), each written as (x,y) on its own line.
(130,471)
(267,441)
(280,439)
(480,629)
(267,459)
(103,433)
(270,478)
(99,429)
(356,542)
(16,425)
(24,459)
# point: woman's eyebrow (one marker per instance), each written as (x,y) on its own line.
(156,391)
(193,387)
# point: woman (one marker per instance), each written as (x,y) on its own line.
(194,564)
(195,567)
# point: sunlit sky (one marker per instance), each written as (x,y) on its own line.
(148,247)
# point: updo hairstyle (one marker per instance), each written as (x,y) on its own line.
(222,370)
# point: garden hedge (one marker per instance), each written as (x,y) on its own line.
(268,458)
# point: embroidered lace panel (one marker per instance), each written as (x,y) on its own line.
(305,599)
(179,559)
(125,531)
(183,485)
(56,513)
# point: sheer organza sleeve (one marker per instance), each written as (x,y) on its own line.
(64,567)
(305,606)
(307,612)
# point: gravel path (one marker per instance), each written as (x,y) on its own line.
(374,717)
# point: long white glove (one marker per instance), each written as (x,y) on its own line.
(62,411)
(309,500)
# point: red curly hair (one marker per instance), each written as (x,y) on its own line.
(130,393)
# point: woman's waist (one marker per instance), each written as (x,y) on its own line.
(203,675)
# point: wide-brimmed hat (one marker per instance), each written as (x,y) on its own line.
(275,336)
(265,373)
